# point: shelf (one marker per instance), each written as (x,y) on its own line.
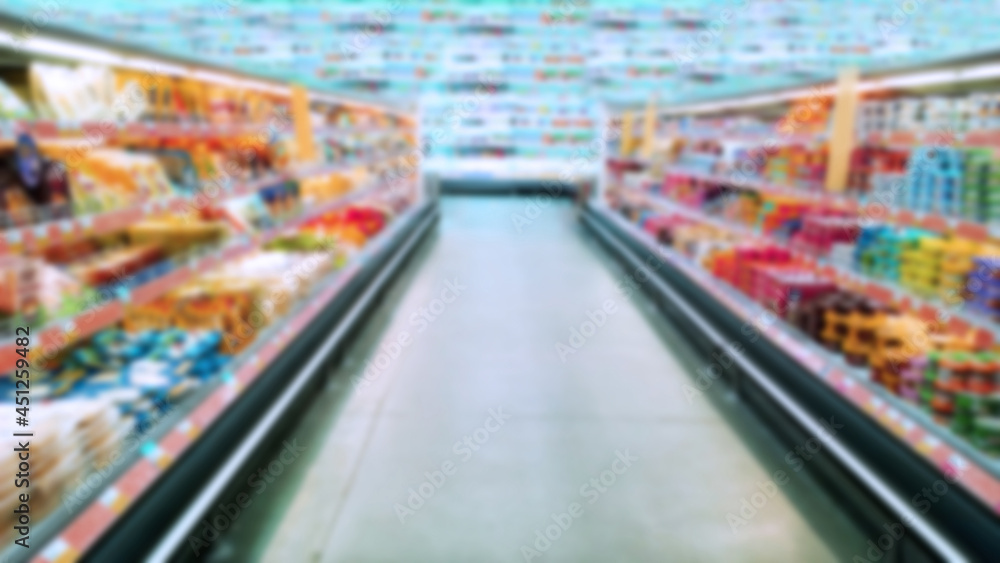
(880,290)
(98,132)
(69,229)
(865,205)
(155,456)
(65,230)
(976,472)
(61,333)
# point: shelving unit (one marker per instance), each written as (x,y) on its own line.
(708,165)
(160,451)
(351,153)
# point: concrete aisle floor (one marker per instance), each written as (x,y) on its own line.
(492,350)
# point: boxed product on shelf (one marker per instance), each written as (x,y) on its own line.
(850,323)
(920,266)
(777,211)
(959,388)
(32,187)
(173,234)
(796,165)
(819,233)
(326,186)
(661,226)
(353,225)
(935,181)
(981,188)
(110,266)
(900,343)
(870,165)
(108,179)
(781,289)
(20,289)
(700,241)
(81,93)
(983,286)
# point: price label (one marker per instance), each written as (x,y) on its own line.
(958,463)
(930,442)
(13,236)
(908,425)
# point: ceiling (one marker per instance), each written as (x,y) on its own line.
(621,52)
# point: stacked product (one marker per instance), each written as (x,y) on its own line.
(688,190)
(662,226)
(746,256)
(743,208)
(957,263)
(797,165)
(777,212)
(901,343)
(931,114)
(784,289)
(960,389)
(934,181)
(983,287)
(850,323)
(981,187)
(920,266)
(32,188)
(871,166)
(700,240)
(880,247)
(821,232)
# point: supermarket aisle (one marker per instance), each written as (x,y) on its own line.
(479,414)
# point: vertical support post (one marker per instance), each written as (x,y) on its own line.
(649,128)
(628,122)
(305,145)
(842,130)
